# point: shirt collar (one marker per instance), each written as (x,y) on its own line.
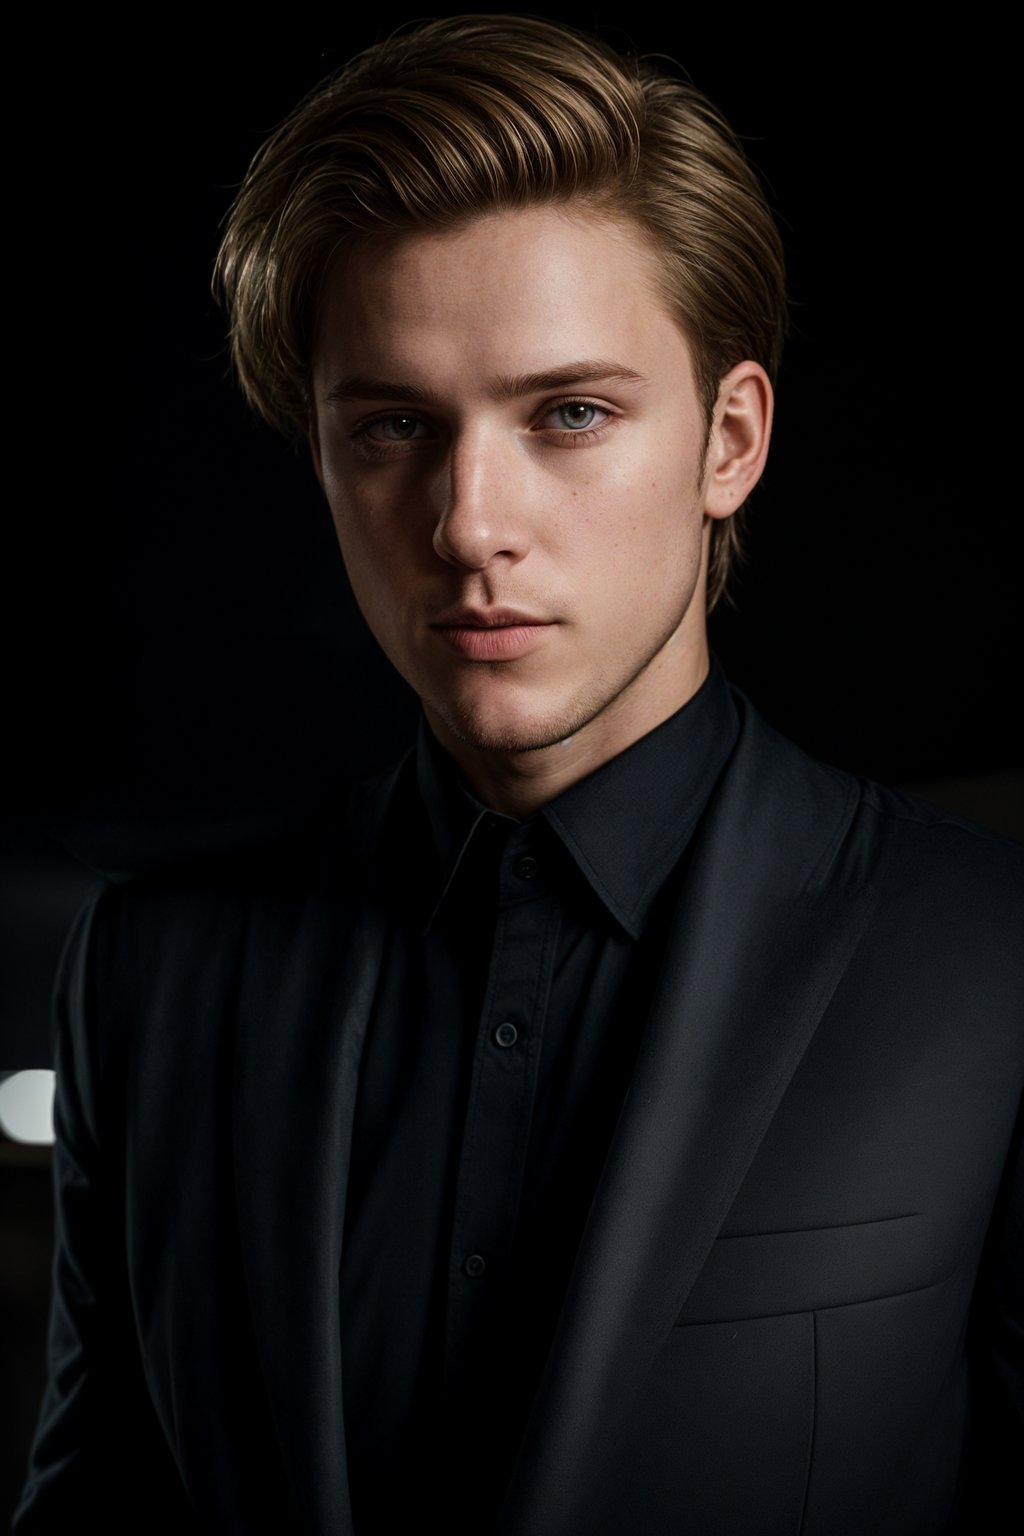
(626,825)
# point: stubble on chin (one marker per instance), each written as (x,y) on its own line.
(517,731)
(471,726)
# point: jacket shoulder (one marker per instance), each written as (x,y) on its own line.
(162,951)
(944,859)
(882,835)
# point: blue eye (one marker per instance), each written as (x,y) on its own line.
(575,419)
(577,415)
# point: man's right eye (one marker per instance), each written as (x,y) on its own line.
(399,427)
(380,437)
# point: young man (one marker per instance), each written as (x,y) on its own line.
(604,1122)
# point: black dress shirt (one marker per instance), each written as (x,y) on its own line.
(521,961)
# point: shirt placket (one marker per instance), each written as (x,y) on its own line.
(499,1107)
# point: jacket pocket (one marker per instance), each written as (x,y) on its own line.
(770,1274)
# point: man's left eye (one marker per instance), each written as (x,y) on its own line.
(574,416)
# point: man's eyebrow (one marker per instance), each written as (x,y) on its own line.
(358,386)
(589,371)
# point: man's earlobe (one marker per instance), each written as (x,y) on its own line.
(740,435)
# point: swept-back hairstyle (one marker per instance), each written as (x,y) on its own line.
(475,114)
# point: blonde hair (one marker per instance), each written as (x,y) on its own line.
(475,114)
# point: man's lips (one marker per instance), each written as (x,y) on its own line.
(486,618)
(492,634)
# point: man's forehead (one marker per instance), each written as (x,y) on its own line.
(531,291)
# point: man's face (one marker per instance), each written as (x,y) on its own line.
(508,433)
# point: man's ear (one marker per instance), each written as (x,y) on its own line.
(740,433)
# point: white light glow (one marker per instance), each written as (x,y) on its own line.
(26,1107)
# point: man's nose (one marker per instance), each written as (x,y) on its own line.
(483,515)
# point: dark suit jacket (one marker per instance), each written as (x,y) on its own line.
(793,1309)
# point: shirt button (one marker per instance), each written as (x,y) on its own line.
(474,1265)
(526,867)
(506,1035)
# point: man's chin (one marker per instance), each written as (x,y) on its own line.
(507,734)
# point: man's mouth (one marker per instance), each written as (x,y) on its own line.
(466,617)
(492,634)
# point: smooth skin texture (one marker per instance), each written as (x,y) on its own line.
(507,430)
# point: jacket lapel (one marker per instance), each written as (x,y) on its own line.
(313,961)
(759,942)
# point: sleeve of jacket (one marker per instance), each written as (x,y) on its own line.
(98,1449)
